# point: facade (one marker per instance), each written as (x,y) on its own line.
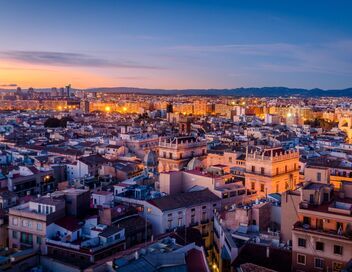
(31,181)
(322,235)
(271,170)
(183,211)
(175,153)
(28,222)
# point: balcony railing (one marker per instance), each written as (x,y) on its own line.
(299,226)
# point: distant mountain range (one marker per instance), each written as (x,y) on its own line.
(259,92)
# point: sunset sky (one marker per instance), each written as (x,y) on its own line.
(176,44)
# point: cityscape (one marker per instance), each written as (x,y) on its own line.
(179,151)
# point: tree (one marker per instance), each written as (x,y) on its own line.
(52,122)
(55,122)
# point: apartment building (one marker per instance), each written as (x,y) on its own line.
(322,235)
(271,170)
(31,181)
(28,222)
(176,152)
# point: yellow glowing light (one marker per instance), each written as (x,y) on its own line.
(233,103)
(289,114)
(107,109)
(124,109)
(243,103)
(59,108)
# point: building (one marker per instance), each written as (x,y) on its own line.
(28,222)
(271,170)
(176,152)
(31,181)
(322,233)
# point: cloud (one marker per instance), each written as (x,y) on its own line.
(325,58)
(9,85)
(69,59)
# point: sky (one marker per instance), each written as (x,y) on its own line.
(176,44)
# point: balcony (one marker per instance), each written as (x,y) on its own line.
(299,226)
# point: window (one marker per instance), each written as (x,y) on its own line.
(302,242)
(192,219)
(169,223)
(339,227)
(230,159)
(253,185)
(338,249)
(336,266)
(14,234)
(39,226)
(318,176)
(253,168)
(14,221)
(319,246)
(204,216)
(306,220)
(39,240)
(179,222)
(285,168)
(277,170)
(262,187)
(40,207)
(301,259)
(117,236)
(319,263)
(262,170)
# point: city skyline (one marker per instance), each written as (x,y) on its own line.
(183,44)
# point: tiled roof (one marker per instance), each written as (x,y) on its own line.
(181,200)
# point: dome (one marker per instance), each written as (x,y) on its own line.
(150,159)
(194,164)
